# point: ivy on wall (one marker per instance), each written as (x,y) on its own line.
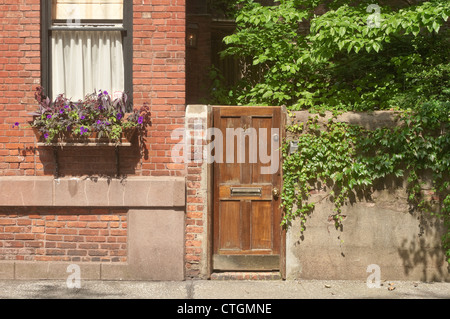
(347,158)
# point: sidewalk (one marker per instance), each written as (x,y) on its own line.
(223,290)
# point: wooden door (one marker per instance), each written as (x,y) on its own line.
(247,181)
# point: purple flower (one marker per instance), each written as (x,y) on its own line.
(141,120)
(99,122)
(61,111)
(83,130)
(46,135)
(49,117)
(119,116)
(16,125)
(83,117)
(102,93)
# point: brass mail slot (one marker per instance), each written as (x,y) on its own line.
(246,191)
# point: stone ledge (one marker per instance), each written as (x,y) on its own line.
(368,120)
(90,192)
(26,191)
(40,270)
(34,270)
(7,270)
(22,270)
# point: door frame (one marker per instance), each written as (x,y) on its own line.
(210,193)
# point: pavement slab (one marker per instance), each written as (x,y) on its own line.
(223,290)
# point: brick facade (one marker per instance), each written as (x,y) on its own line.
(80,235)
(158,80)
(86,234)
(19,74)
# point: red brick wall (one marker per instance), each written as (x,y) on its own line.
(72,235)
(19,74)
(158,79)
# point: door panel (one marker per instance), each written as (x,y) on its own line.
(247,217)
(230,170)
(230,215)
(263,146)
(261,221)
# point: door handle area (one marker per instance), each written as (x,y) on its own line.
(275,193)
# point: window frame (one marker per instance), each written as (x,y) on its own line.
(46,50)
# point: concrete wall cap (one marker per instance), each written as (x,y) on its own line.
(136,191)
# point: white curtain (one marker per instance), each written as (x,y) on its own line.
(85,62)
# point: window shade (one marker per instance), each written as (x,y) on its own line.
(87,9)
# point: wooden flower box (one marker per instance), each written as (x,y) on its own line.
(92,140)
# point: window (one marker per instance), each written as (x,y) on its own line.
(86,47)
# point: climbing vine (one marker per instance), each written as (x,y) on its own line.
(344,158)
(326,158)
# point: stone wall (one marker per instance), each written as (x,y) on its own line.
(380,231)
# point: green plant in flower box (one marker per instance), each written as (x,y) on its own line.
(96,115)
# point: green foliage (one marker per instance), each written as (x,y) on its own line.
(326,159)
(352,56)
(347,59)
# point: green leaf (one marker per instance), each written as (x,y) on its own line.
(436,26)
(376,46)
(349,47)
(267,94)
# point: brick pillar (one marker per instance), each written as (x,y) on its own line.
(198,186)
